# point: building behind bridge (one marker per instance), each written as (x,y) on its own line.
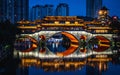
(63,23)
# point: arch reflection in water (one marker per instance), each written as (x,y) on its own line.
(62,43)
(25,44)
(99,43)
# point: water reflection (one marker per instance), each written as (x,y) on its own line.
(99,43)
(58,43)
(97,56)
(93,65)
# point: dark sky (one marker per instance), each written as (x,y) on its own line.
(78,7)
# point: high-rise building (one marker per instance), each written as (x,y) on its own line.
(37,12)
(21,10)
(14,10)
(62,10)
(6,9)
(92,8)
(48,10)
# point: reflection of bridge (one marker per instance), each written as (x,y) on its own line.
(76,54)
(67,64)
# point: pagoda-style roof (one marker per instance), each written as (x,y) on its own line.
(24,22)
(62,18)
(104,8)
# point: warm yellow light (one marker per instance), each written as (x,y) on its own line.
(76,22)
(67,22)
(105,12)
(56,22)
(100,12)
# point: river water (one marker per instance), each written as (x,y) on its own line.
(92,65)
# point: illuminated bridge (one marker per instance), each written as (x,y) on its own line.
(66,37)
(65,44)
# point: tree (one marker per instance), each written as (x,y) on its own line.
(115,25)
(8,33)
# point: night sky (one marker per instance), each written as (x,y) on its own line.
(78,7)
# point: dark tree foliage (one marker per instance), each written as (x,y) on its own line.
(115,25)
(8,31)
